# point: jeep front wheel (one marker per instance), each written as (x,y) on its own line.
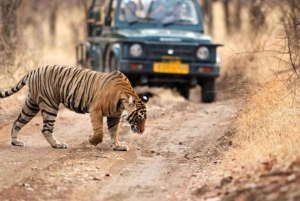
(184,90)
(112,63)
(208,93)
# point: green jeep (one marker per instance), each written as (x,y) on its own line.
(153,42)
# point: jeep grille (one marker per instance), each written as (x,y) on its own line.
(185,52)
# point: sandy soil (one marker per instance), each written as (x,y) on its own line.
(180,143)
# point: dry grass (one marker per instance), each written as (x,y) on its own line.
(267,129)
(265,134)
(248,59)
(38,49)
(264,145)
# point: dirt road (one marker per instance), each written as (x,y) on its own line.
(178,144)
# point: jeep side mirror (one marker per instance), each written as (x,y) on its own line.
(98,23)
(107,20)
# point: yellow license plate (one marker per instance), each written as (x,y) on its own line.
(177,68)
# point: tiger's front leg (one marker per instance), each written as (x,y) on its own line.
(97,123)
(113,124)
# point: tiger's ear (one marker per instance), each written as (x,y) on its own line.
(131,101)
(144,98)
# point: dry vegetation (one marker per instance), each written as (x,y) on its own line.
(263,157)
(47,33)
(266,131)
(263,143)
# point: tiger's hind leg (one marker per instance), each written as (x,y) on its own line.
(49,116)
(113,124)
(29,110)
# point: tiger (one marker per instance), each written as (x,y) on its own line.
(109,95)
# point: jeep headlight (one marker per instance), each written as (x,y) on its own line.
(218,59)
(136,50)
(203,53)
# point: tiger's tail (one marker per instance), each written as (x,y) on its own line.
(16,88)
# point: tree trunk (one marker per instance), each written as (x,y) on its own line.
(237,12)
(227,16)
(8,31)
(257,15)
(208,14)
(53,19)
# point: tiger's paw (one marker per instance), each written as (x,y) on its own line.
(120,148)
(94,140)
(60,146)
(16,142)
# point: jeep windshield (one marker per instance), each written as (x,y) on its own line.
(164,12)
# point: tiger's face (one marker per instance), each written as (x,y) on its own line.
(136,115)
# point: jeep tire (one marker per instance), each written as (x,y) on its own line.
(208,93)
(112,65)
(96,62)
(184,90)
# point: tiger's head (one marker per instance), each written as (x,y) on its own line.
(135,112)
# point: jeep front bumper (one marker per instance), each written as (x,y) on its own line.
(205,70)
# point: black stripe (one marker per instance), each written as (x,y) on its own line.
(48,121)
(6,93)
(91,91)
(47,129)
(85,95)
(109,108)
(23,121)
(31,108)
(120,103)
(105,81)
(112,122)
(49,113)
(41,100)
(102,112)
(131,116)
(24,81)
(28,115)
(17,127)
(74,76)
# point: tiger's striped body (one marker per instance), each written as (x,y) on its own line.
(82,91)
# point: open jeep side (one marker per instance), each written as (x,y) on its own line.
(153,42)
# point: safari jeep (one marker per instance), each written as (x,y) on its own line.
(153,42)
